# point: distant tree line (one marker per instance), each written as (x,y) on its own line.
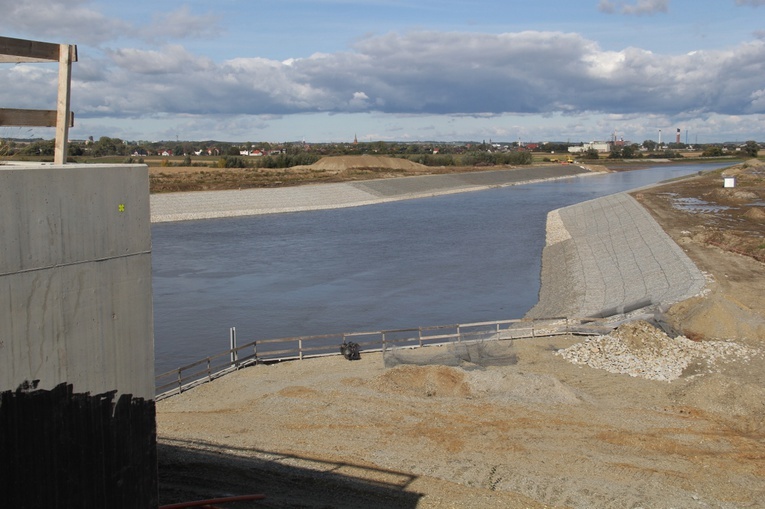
(473,158)
(285,155)
(279,161)
(633,152)
(749,149)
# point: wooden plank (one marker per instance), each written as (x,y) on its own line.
(31,118)
(66,54)
(21,50)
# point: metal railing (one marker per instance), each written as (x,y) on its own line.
(303,347)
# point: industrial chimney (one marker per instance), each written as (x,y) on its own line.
(677,138)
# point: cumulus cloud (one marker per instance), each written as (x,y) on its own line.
(359,101)
(413,74)
(28,86)
(81,22)
(638,8)
(62,21)
(183,24)
(172,59)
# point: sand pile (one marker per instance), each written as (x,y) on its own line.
(339,163)
(493,383)
(740,403)
(427,381)
(715,316)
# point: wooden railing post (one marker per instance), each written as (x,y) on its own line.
(21,50)
(67,54)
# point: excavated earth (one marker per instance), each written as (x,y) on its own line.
(327,169)
(641,417)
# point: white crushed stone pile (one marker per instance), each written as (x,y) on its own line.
(641,350)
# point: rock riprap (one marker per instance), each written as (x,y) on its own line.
(641,350)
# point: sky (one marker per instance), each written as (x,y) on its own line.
(394,70)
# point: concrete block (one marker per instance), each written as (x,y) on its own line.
(75,278)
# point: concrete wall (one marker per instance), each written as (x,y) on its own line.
(75,278)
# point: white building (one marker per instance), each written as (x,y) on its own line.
(600,146)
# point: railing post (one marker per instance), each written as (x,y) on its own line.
(232,342)
(67,54)
(443,334)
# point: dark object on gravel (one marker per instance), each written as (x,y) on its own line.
(350,351)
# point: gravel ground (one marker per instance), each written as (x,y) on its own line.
(542,432)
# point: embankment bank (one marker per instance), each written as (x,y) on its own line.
(249,202)
(608,256)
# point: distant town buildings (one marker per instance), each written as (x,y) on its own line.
(600,146)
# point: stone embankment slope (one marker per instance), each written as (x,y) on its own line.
(248,202)
(608,256)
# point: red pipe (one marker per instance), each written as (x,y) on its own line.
(203,503)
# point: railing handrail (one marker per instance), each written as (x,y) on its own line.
(179,383)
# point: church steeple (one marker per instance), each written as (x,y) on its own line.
(355,140)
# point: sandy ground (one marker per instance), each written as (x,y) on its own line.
(538,431)
(172,179)
(328,169)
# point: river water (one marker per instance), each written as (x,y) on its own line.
(459,258)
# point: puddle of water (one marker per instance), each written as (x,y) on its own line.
(696,206)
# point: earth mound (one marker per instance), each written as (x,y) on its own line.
(429,381)
(755,214)
(737,402)
(495,384)
(341,163)
(715,316)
